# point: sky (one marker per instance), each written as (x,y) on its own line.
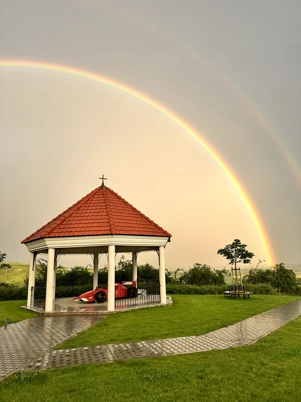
(200,132)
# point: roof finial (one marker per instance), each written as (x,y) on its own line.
(103,180)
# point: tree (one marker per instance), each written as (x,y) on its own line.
(2,258)
(78,275)
(147,272)
(257,275)
(236,253)
(124,270)
(41,272)
(282,279)
(203,274)
(285,280)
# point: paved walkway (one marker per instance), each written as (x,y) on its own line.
(26,341)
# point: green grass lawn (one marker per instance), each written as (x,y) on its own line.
(189,315)
(268,370)
(12,310)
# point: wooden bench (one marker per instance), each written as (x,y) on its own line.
(237,292)
(233,293)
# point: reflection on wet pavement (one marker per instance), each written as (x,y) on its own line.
(28,340)
(26,345)
(67,305)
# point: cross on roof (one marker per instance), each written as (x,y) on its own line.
(103,180)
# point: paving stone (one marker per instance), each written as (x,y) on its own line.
(29,343)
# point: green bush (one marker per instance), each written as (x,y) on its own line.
(5,265)
(147,272)
(12,292)
(76,276)
(261,289)
(283,280)
(151,287)
(124,272)
(71,291)
(202,274)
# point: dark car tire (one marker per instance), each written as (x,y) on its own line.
(100,297)
(132,292)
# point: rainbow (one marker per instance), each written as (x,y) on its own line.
(9,63)
(212,70)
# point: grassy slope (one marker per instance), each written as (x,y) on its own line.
(16,274)
(269,370)
(12,310)
(189,315)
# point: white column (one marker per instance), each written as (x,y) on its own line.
(49,302)
(162,275)
(54,268)
(31,278)
(95,270)
(111,278)
(134,261)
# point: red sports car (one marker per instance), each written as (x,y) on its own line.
(123,290)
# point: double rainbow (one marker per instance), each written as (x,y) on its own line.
(7,63)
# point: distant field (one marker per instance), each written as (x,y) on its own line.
(16,274)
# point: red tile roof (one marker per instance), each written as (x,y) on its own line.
(101,212)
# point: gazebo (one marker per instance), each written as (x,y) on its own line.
(101,222)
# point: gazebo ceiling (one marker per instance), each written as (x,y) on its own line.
(99,219)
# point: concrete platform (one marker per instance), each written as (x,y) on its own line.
(68,306)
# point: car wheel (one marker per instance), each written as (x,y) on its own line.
(100,297)
(132,292)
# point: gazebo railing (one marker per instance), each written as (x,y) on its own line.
(38,293)
(37,296)
(148,293)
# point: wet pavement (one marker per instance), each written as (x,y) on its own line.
(68,306)
(25,344)
(28,340)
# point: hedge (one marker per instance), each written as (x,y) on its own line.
(261,289)
(196,290)
(214,290)
(12,292)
